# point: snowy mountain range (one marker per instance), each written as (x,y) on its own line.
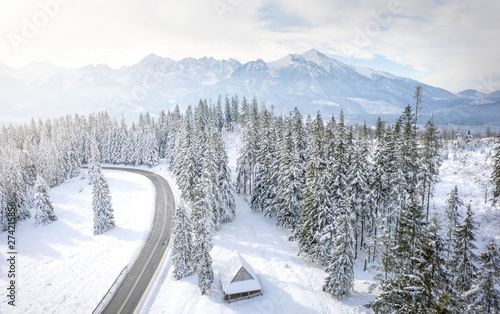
(310,81)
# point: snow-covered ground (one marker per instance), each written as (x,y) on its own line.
(63,267)
(471,173)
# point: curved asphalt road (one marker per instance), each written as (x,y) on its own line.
(129,293)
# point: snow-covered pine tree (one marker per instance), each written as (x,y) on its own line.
(44,158)
(340,280)
(135,148)
(290,183)
(431,268)
(209,179)
(201,114)
(228,115)
(408,153)
(430,160)
(226,189)
(218,118)
(205,271)
(358,183)
(495,175)
(396,195)
(185,165)
(388,188)
(62,165)
(73,156)
(150,154)
(452,204)
(16,188)
(235,110)
(409,233)
(104,218)
(203,228)
(316,220)
(300,137)
(28,171)
(174,122)
(182,243)
(469,141)
(462,265)
(265,196)
(127,152)
(378,179)
(484,295)
(95,159)
(117,141)
(338,161)
(403,291)
(245,168)
(262,162)
(44,211)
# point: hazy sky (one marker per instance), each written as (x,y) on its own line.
(450,44)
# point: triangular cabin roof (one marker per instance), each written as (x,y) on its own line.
(238,276)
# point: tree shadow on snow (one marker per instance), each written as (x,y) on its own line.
(43,243)
(124,234)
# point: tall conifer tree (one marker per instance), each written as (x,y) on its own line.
(182,243)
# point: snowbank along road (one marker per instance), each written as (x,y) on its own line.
(129,293)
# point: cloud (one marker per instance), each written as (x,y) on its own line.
(451,44)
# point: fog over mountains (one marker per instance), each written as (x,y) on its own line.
(310,81)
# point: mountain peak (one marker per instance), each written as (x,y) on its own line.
(327,63)
(315,56)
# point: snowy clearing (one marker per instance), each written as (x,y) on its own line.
(471,173)
(63,267)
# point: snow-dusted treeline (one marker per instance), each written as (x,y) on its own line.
(56,149)
(348,191)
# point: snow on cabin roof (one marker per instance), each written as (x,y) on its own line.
(238,276)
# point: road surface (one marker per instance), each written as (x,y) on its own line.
(132,288)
